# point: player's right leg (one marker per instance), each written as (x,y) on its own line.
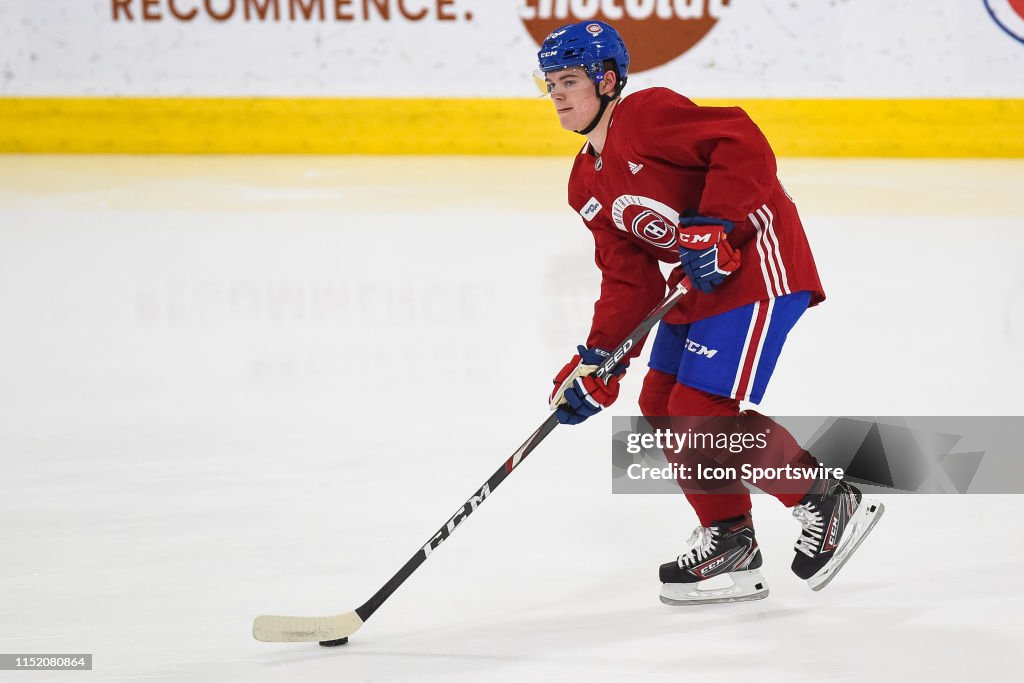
(722,562)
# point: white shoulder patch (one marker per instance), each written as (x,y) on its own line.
(590,209)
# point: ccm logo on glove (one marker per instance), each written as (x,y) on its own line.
(704,251)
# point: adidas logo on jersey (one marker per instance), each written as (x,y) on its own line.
(634,168)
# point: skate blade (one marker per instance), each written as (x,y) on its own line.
(864,520)
(746,586)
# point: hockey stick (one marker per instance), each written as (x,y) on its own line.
(335,630)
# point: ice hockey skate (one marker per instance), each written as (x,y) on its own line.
(836,519)
(722,564)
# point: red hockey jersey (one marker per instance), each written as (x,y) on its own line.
(665,155)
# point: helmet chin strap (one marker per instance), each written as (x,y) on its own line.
(605,101)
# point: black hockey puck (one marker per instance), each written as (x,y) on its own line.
(333,643)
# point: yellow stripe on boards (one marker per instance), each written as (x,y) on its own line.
(795,127)
(891,128)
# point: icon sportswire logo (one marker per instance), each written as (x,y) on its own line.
(1009,16)
(656,31)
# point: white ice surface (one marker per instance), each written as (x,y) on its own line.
(233,386)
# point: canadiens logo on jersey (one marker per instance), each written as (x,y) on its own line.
(1009,15)
(648,219)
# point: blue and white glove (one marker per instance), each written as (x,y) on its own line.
(705,252)
(577,394)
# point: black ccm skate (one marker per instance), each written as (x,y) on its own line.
(722,565)
(835,519)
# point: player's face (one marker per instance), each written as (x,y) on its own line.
(572,93)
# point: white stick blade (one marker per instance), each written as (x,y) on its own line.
(276,629)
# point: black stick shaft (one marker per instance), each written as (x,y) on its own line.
(617,354)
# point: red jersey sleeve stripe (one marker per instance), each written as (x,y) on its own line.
(776,250)
(769,286)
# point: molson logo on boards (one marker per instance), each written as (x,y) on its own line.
(1009,15)
(655,31)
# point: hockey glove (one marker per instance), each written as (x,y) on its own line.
(577,394)
(705,252)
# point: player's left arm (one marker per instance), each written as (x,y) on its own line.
(741,164)
(740,175)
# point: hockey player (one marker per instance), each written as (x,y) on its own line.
(661,179)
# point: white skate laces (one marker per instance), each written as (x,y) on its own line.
(702,540)
(813,528)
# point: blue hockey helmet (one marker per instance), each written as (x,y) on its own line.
(588,45)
